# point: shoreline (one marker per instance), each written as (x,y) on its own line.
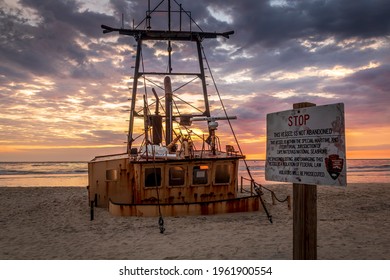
(54,223)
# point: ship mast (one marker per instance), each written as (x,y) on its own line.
(148,34)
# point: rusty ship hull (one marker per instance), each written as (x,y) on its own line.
(172,170)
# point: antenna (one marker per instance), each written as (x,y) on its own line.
(148,17)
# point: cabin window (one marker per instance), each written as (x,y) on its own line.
(200,174)
(111,175)
(222,174)
(152,177)
(176,176)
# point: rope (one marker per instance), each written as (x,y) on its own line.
(187,83)
(258,187)
(224,110)
(274,195)
(160,219)
(260,193)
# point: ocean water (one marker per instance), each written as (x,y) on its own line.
(75,174)
(43,174)
(358,171)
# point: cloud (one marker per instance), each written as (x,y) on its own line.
(62,81)
(53,44)
(259,22)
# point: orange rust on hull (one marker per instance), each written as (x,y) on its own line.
(244,204)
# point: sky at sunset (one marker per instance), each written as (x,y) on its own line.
(64,85)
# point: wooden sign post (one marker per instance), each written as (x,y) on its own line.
(304,215)
(306,146)
(304,222)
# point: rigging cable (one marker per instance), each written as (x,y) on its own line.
(257,186)
(160,219)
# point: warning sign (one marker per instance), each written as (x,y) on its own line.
(307,146)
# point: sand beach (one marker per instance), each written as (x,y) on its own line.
(54,223)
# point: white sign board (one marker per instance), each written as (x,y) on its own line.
(307,146)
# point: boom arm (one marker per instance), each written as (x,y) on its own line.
(166,35)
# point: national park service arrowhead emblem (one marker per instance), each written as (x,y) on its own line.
(334,164)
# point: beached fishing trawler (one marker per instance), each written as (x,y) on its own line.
(178,167)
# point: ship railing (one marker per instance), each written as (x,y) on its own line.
(244,186)
(251,188)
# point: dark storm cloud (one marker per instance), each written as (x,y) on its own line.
(361,18)
(273,35)
(48,46)
(259,22)
(70,14)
